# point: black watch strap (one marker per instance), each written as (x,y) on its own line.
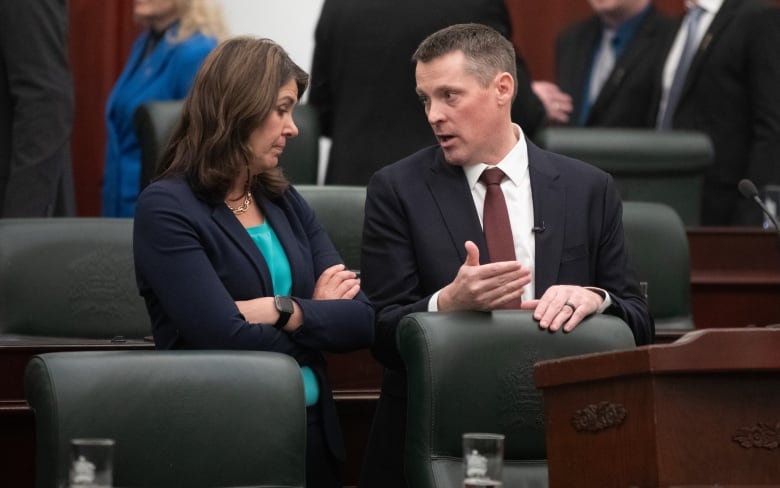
(284,305)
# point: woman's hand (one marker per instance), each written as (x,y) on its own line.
(336,283)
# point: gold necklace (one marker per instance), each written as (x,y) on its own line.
(244,205)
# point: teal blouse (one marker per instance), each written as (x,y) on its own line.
(265,239)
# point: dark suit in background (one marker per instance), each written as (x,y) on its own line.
(363,78)
(626,99)
(36,110)
(419,213)
(732,93)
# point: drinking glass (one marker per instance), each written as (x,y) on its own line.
(91,463)
(483,460)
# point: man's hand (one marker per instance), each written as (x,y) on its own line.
(557,104)
(564,305)
(483,287)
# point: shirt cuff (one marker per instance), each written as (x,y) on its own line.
(607,299)
(433,303)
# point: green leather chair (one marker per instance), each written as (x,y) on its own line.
(340,210)
(69,277)
(155,122)
(657,246)
(178,418)
(473,372)
(648,165)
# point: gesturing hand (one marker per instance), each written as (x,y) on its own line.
(335,283)
(483,287)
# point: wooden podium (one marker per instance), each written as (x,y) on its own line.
(702,411)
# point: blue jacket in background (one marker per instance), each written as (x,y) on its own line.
(166,74)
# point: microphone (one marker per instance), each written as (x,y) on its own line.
(749,191)
(538,229)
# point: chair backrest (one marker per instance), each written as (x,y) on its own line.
(156,121)
(154,125)
(178,418)
(473,372)
(340,210)
(657,246)
(301,157)
(70,277)
(648,165)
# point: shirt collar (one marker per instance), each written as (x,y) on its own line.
(514,165)
(709,6)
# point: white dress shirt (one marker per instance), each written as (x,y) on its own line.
(519,201)
(710,9)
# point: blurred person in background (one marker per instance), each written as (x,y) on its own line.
(608,63)
(36,110)
(164,59)
(363,79)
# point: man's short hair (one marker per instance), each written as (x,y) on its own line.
(486,51)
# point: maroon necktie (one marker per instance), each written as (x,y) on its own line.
(495,222)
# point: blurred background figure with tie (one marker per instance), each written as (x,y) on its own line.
(722,77)
(607,63)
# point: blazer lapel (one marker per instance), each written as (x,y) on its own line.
(238,234)
(450,190)
(549,198)
(276,217)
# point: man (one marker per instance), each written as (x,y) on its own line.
(423,243)
(728,88)
(36,110)
(608,63)
(362,82)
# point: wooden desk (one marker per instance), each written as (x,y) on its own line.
(699,412)
(735,276)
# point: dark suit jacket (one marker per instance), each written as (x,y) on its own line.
(732,93)
(419,213)
(36,110)
(194,260)
(362,78)
(626,99)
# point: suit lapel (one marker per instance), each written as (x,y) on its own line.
(239,235)
(724,16)
(633,54)
(276,217)
(549,198)
(450,190)
(582,58)
(148,69)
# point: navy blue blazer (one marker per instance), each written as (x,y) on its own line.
(419,213)
(193,260)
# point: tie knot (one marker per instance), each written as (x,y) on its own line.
(492,176)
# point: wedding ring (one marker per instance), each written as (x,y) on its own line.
(570,305)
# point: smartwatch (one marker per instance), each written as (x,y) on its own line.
(284,305)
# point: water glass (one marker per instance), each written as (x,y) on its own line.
(91,463)
(483,460)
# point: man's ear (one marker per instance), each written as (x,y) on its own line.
(505,88)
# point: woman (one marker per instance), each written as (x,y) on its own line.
(229,256)
(179,35)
